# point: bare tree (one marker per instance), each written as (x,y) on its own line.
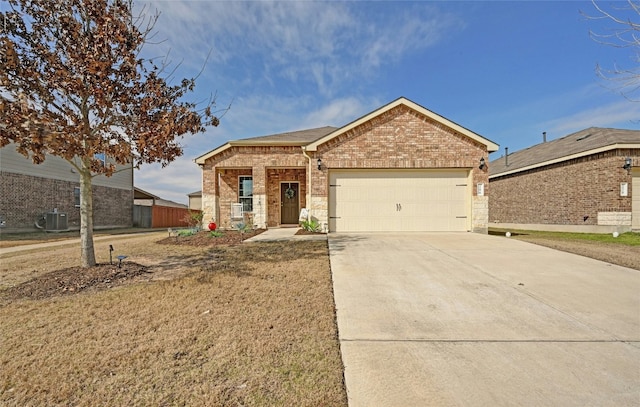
(624,33)
(73,85)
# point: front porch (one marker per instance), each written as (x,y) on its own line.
(270,197)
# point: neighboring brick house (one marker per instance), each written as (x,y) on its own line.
(399,168)
(28,190)
(195,200)
(586,181)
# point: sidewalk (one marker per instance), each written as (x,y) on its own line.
(70,241)
(270,235)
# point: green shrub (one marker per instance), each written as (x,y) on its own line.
(215,233)
(243,227)
(311,225)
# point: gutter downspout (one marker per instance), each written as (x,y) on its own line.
(304,153)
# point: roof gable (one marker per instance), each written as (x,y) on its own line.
(585,142)
(491,146)
(293,138)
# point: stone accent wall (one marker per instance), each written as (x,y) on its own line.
(572,192)
(480,210)
(614,218)
(23,198)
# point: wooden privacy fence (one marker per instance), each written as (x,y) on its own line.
(161,216)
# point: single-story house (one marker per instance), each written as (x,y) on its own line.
(50,191)
(401,167)
(588,181)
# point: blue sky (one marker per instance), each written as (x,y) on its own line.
(507,70)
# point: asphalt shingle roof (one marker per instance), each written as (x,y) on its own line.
(585,140)
(301,137)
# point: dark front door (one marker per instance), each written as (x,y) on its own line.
(289,203)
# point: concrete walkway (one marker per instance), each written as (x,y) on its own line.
(76,240)
(474,320)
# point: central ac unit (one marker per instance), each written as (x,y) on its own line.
(56,222)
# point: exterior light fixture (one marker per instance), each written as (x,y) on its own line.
(482,163)
(319,162)
(627,163)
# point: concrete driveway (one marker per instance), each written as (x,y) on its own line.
(463,319)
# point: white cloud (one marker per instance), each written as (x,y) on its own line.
(339,112)
(623,114)
(323,43)
(173,182)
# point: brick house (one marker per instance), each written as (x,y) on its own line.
(588,181)
(28,190)
(398,168)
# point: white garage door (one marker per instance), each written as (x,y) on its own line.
(635,200)
(399,200)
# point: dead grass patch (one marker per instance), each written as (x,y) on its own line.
(623,251)
(251,324)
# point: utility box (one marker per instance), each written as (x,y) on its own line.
(56,222)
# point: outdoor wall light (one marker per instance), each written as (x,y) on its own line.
(319,162)
(627,163)
(482,163)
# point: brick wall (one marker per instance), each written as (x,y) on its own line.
(567,193)
(400,138)
(24,197)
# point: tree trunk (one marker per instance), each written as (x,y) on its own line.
(86,217)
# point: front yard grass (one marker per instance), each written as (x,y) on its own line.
(251,324)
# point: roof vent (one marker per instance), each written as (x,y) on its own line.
(583,137)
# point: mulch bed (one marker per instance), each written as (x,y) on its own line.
(204,238)
(74,280)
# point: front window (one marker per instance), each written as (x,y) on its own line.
(245,192)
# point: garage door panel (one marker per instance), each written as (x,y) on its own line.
(399,200)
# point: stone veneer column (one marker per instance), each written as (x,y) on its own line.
(480,214)
(320,211)
(259,197)
(209,206)
(259,210)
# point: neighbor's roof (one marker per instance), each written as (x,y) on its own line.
(142,194)
(292,138)
(585,142)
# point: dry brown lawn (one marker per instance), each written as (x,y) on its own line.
(251,324)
